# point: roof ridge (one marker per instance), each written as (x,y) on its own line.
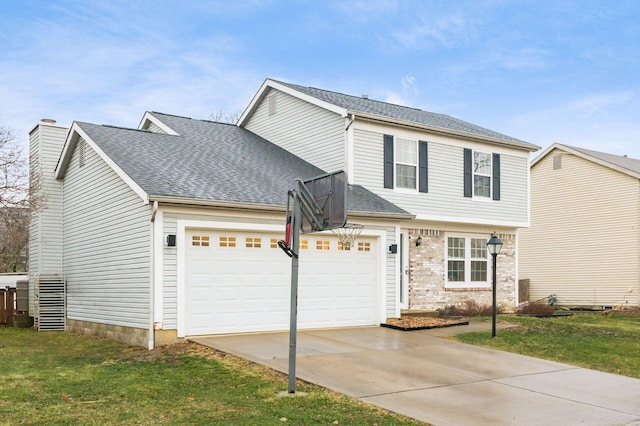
(356,97)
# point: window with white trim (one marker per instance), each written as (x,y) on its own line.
(406,156)
(467,261)
(481,174)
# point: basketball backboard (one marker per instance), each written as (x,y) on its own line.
(329,192)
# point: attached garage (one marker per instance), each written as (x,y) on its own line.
(239,281)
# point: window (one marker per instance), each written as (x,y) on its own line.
(467,262)
(227,241)
(304,244)
(252,242)
(322,245)
(406,163)
(364,246)
(274,243)
(481,174)
(200,240)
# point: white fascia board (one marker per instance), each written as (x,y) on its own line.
(473,221)
(446,132)
(588,157)
(148,116)
(72,139)
(268,83)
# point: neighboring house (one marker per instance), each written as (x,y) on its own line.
(583,244)
(171,229)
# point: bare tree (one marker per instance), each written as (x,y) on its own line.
(15,202)
(225,116)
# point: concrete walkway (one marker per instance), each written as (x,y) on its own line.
(421,375)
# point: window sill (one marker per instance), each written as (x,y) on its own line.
(467,287)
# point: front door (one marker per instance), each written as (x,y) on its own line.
(404,271)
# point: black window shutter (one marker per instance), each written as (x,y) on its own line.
(468,174)
(388,161)
(423,166)
(496,176)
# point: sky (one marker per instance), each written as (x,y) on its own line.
(542,71)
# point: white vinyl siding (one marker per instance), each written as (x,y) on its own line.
(308,131)
(446,183)
(45,227)
(106,245)
(583,244)
(152,127)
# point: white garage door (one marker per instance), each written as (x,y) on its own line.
(241,282)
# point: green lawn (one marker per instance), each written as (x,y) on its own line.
(59,378)
(606,342)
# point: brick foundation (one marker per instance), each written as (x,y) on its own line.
(427,274)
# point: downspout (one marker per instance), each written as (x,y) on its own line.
(151,343)
(348,151)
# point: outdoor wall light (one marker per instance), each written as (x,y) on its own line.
(418,241)
(171,240)
(494,245)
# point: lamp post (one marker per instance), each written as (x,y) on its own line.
(494,245)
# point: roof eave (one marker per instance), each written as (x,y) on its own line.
(263,207)
(442,131)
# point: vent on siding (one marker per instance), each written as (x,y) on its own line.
(81,149)
(557,162)
(50,303)
(272,103)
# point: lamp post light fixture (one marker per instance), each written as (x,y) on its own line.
(494,245)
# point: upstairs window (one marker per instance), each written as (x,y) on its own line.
(405,163)
(481,174)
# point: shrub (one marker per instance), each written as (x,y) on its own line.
(468,308)
(535,308)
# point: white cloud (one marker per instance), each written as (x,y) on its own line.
(447,31)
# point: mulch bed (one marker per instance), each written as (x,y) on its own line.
(411,323)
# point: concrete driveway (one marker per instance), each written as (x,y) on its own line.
(421,375)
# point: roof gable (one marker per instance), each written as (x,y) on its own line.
(209,163)
(79,131)
(622,164)
(382,111)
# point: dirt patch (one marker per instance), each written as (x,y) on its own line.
(411,322)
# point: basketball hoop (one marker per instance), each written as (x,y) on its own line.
(348,234)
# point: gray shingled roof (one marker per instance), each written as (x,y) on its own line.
(214,162)
(630,164)
(414,115)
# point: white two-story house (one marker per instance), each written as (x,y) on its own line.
(461,182)
(170,230)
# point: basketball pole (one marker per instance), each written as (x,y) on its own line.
(293,324)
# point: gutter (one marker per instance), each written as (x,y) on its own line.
(265,207)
